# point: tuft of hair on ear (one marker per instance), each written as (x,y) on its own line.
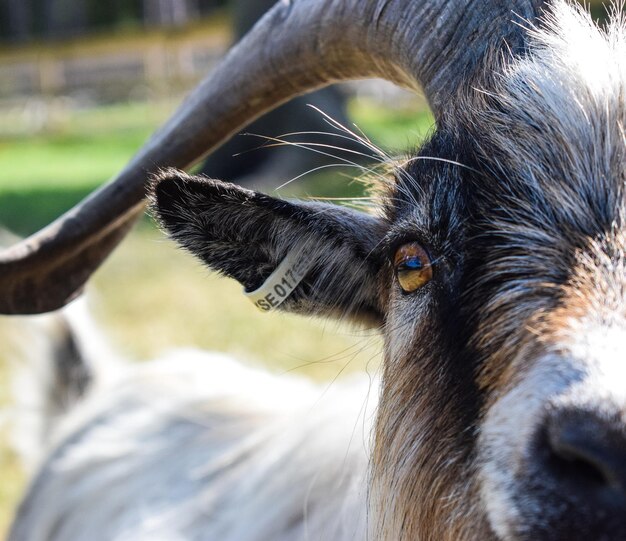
(165,188)
(171,193)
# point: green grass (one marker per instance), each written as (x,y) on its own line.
(83,150)
(44,175)
(66,161)
(395,130)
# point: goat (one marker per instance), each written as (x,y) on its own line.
(495,268)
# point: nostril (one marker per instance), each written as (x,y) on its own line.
(573,458)
(586,454)
(572,476)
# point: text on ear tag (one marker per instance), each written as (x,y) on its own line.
(281,283)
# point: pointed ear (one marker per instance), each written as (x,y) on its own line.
(248,235)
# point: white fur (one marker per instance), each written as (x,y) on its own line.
(589,372)
(197,446)
(29,344)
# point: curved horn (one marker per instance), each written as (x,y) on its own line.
(298,46)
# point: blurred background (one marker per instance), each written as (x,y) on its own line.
(83,83)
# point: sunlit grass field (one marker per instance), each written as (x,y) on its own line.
(43,175)
(150,297)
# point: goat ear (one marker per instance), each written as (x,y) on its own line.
(247,235)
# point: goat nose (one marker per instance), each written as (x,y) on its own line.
(586,457)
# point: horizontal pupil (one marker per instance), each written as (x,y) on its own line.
(411,264)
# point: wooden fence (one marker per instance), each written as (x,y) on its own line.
(114,67)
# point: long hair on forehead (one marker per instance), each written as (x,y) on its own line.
(552,122)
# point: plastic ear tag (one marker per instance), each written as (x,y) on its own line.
(281,283)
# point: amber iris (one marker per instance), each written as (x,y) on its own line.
(413,267)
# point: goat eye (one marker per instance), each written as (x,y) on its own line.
(413,267)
